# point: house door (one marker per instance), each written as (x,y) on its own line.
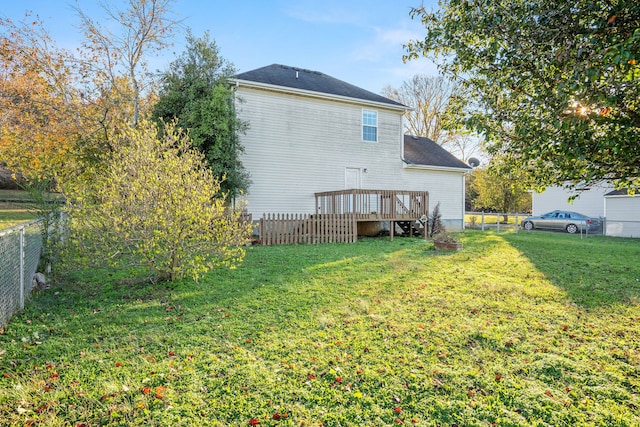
(352,178)
(352,181)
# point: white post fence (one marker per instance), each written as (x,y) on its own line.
(493,220)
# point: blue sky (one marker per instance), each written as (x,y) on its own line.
(358,41)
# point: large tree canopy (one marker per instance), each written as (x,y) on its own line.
(60,108)
(555,86)
(195,91)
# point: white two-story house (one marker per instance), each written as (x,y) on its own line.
(310,133)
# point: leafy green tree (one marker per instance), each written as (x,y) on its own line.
(554,86)
(154,203)
(195,91)
(500,193)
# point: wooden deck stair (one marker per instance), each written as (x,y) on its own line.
(411,228)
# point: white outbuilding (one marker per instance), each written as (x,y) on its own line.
(622,213)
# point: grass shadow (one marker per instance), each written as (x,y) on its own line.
(595,271)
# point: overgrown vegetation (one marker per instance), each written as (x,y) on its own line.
(155,203)
(499,193)
(515,330)
(65,114)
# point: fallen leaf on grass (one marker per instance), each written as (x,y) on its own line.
(160,391)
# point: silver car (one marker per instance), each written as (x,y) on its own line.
(568,221)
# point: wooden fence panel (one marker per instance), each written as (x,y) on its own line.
(279,229)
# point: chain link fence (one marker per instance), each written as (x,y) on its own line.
(499,221)
(20,249)
(493,221)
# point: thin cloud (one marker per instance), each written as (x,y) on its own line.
(314,12)
(384,43)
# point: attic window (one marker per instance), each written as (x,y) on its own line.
(369,125)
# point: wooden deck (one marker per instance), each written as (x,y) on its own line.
(373,205)
(338,213)
(396,206)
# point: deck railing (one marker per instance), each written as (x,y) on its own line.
(371,205)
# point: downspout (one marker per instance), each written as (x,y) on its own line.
(233,106)
(464,198)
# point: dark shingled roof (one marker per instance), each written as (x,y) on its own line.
(298,78)
(422,151)
(623,192)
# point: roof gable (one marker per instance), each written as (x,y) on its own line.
(622,192)
(421,151)
(314,81)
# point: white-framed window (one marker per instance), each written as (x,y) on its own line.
(370,125)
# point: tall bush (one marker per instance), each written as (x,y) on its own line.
(155,204)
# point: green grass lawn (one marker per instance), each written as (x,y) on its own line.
(12,213)
(15,207)
(528,329)
(492,219)
(14,195)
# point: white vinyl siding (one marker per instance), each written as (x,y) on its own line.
(296,146)
(622,216)
(443,186)
(590,202)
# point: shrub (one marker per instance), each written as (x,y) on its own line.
(154,203)
(435,222)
